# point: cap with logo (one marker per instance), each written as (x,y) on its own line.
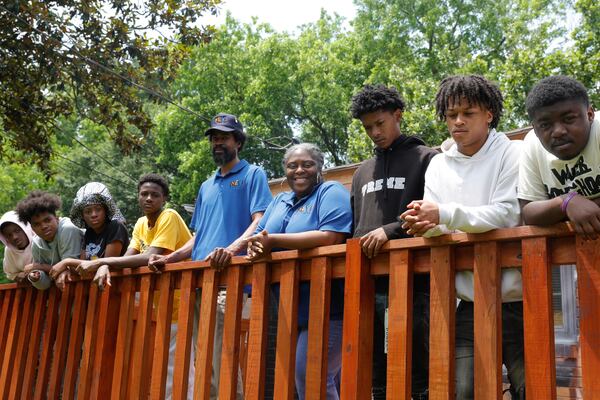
(224,123)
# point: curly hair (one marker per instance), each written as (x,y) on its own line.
(476,89)
(554,89)
(37,202)
(373,98)
(157,179)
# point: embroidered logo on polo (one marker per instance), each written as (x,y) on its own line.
(235,183)
(305,209)
(578,177)
(393,183)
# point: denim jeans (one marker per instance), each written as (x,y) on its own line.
(512,349)
(420,342)
(334,360)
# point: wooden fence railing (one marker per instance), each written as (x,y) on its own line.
(86,344)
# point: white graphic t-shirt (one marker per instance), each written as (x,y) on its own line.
(543,176)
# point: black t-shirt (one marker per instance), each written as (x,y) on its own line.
(95,244)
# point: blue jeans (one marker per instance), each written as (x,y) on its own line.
(420,348)
(512,349)
(334,360)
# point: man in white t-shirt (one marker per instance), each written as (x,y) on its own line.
(559,174)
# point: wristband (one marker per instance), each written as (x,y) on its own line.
(565,203)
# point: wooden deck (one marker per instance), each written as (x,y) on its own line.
(114,344)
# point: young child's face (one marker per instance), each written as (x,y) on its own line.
(45,225)
(94,216)
(151,198)
(469,125)
(383,127)
(15,235)
(564,127)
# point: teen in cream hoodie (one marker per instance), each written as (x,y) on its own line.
(476,194)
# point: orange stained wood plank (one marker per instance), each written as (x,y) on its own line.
(35,337)
(540,372)
(162,337)
(141,341)
(400,314)
(206,333)
(357,336)
(287,331)
(18,367)
(441,323)
(588,281)
(76,336)
(185,328)
(7,296)
(318,328)
(51,314)
(124,337)
(231,334)
(89,344)
(257,338)
(105,344)
(61,343)
(10,348)
(487,316)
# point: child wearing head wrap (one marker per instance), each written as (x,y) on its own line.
(105,233)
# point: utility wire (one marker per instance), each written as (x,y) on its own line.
(269,145)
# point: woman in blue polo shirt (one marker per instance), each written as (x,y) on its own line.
(314,213)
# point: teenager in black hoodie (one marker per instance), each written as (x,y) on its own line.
(382,187)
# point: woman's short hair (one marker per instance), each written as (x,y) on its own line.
(312,149)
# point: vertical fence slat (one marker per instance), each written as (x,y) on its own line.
(59,352)
(257,338)
(7,297)
(588,282)
(487,316)
(11,342)
(185,326)
(141,342)
(441,323)
(206,333)
(89,344)
(162,337)
(105,344)
(540,372)
(318,328)
(124,336)
(287,331)
(77,330)
(231,334)
(34,345)
(357,336)
(21,350)
(51,313)
(400,313)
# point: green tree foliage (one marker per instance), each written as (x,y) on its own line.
(61,56)
(84,153)
(276,84)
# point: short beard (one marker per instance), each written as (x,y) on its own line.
(222,159)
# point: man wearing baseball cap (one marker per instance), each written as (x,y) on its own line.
(228,207)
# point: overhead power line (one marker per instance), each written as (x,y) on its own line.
(267,142)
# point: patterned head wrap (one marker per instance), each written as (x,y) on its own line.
(94,193)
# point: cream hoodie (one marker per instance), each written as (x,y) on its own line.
(15,259)
(475,194)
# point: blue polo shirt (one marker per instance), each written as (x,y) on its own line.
(327,208)
(225,205)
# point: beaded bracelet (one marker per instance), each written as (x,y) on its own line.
(565,203)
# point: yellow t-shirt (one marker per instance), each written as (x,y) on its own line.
(170,233)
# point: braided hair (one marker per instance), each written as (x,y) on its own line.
(476,89)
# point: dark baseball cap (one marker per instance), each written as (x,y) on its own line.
(225,123)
